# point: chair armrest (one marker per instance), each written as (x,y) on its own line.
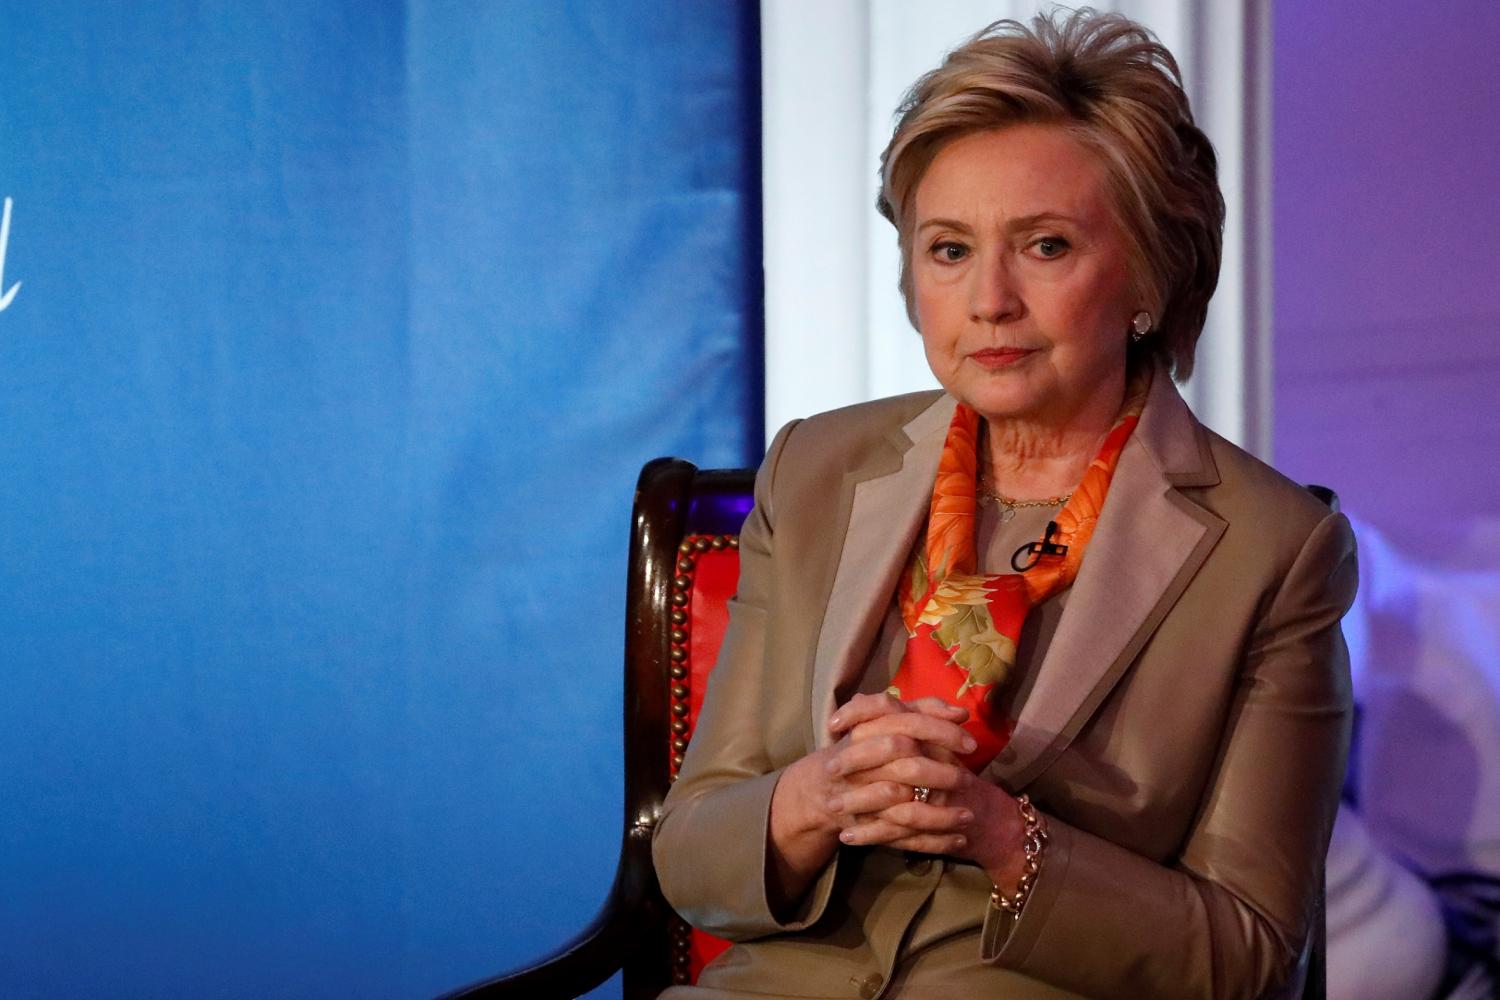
(580,965)
(600,949)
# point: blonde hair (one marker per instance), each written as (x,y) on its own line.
(1115,88)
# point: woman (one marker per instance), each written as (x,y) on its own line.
(1033,687)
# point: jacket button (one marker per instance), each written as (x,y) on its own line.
(918,864)
(870,988)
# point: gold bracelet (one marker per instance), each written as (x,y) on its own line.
(1034,844)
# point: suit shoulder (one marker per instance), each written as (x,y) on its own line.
(1254,485)
(811,455)
(849,433)
(1268,513)
(874,417)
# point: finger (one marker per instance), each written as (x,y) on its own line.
(922,772)
(923,728)
(939,753)
(874,752)
(924,817)
(872,830)
(931,843)
(870,799)
(860,709)
(883,791)
(939,709)
(893,759)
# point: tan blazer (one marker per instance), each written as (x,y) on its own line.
(1185,735)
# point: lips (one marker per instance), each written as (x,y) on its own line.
(999,357)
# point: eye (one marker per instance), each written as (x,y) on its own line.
(949,252)
(1048,247)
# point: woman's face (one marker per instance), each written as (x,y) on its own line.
(1020,278)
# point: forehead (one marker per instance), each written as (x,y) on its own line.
(1019,170)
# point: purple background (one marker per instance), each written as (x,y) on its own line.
(1387,244)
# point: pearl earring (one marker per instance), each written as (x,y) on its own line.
(1140,325)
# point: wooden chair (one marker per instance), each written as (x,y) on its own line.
(684,565)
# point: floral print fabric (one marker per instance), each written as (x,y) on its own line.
(962,626)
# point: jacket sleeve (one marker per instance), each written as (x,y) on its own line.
(1229,918)
(710,848)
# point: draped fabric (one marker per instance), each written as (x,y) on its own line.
(963,626)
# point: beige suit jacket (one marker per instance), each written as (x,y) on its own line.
(1185,735)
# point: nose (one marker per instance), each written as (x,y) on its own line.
(994,296)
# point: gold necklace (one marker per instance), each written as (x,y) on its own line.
(1009,505)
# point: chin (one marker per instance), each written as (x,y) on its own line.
(999,402)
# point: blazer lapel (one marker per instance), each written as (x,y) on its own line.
(1149,542)
(886,513)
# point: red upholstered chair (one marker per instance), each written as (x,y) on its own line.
(684,567)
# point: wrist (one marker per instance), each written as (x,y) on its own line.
(999,852)
(1011,893)
(799,806)
(800,840)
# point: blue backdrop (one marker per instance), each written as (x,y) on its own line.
(343,330)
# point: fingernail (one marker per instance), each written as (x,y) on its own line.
(836,803)
(832,766)
(968,744)
(959,841)
(847,836)
(964,816)
(834,722)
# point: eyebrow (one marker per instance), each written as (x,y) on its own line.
(1023,222)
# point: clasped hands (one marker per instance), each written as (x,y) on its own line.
(859,791)
(885,749)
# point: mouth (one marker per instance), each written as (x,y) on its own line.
(995,358)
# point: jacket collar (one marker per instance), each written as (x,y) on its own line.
(887,512)
(1149,542)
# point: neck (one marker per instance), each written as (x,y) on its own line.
(1029,458)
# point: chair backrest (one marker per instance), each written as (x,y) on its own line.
(684,566)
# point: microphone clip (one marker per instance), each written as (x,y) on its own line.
(1031,553)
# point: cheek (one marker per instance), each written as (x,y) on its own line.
(1099,339)
(1101,314)
(922,315)
(933,307)
(935,325)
